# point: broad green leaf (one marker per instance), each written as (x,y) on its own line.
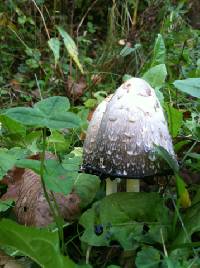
(56,177)
(7,162)
(175,119)
(53,105)
(30,164)
(159,51)
(163,153)
(26,116)
(57,140)
(122,216)
(12,126)
(40,245)
(5,205)
(71,47)
(148,257)
(54,45)
(190,86)
(86,186)
(49,113)
(156,75)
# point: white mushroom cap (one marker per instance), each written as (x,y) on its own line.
(93,128)
(132,123)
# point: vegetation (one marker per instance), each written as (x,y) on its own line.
(59,60)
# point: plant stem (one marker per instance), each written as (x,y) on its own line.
(53,210)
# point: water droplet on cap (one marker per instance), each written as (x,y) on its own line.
(131,119)
(112,138)
(112,118)
(124,173)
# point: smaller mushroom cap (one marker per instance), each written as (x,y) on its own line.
(123,132)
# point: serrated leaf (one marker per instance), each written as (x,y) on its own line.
(71,47)
(40,245)
(54,45)
(159,51)
(121,217)
(175,119)
(156,76)
(190,86)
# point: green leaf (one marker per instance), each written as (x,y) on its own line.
(12,126)
(148,257)
(183,194)
(122,216)
(163,153)
(7,162)
(190,86)
(71,47)
(90,103)
(54,45)
(30,164)
(56,178)
(175,119)
(5,205)
(159,51)
(51,113)
(40,245)
(57,140)
(86,186)
(156,75)
(53,105)
(191,219)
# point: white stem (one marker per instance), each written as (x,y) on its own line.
(111,186)
(132,185)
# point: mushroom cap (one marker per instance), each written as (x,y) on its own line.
(93,128)
(123,132)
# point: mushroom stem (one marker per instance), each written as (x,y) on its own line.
(111,186)
(132,185)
